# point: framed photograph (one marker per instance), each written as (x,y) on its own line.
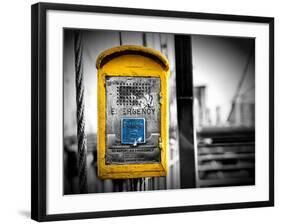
(138,111)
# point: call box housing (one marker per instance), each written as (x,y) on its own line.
(133,119)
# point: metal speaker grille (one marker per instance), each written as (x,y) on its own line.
(129,94)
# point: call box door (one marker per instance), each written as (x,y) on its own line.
(132,120)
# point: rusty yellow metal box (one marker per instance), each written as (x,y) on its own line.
(132,113)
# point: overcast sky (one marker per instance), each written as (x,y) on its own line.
(218,63)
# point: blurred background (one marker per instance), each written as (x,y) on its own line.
(211,108)
(224,110)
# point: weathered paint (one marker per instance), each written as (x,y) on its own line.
(132,61)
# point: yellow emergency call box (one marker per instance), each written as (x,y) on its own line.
(133,112)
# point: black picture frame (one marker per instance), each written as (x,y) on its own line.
(39,120)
